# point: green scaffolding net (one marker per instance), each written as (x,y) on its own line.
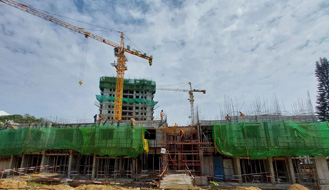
(128,84)
(99,139)
(270,139)
(103,98)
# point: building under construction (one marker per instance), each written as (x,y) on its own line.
(126,145)
(137,101)
(270,151)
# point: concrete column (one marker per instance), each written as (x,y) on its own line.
(120,165)
(23,160)
(43,158)
(11,163)
(291,170)
(270,164)
(201,159)
(116,168)
(322,171)
(69,167)
(93,171)
(237,168)
(133,172)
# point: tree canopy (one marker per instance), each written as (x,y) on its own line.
(26,118)
(322,74)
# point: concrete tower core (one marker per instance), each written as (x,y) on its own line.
(137,99)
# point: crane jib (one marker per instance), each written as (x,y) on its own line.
(121,57)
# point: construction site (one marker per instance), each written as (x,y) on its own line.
(127,146)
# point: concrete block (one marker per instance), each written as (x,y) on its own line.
(201,180)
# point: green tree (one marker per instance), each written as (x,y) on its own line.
(322,74)
(27,118)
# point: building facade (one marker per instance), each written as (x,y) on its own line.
(138,95)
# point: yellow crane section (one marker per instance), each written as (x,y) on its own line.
(191,99)
(119,50)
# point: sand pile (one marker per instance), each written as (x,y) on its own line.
(247,188)
(98,187)
(297,187)
(13,184)
(61,186)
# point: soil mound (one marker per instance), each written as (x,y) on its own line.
(297,187)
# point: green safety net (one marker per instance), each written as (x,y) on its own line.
(99,139)
(270,139)
(128,84)
(103,98)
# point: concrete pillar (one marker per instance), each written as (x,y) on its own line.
(23,160)
(69,167)
(270,164)
(201,158)
(116,168)
(291,170)
(120,165)
(237,168)
(133,172)
(322,172)
(93,171)
(43,158)
(11,162)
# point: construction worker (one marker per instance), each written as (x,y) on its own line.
(161,115)
(100,117)
(132,122)
(176,125)
(241,114)
(95,118)
(227,118)
(181,135)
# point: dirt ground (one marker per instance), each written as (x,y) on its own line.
(24,184)
(247,188)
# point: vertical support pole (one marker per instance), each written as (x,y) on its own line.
(23,160)
(322,171)
(120,166)
(237,168)
(202,164)
(42,164)
(11,163)
(133,168)
(270,164)
(291,170)
(69,167)
(94,168)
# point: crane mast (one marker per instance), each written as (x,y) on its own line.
(192,103)
(191,99)
(121,58)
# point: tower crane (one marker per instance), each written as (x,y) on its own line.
(119,50)
(191,99)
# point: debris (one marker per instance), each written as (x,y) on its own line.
(97,187)
(60,186)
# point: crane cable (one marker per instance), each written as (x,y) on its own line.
(95,25)
(83,61)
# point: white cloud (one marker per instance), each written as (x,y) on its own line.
(240,49)
(3,113)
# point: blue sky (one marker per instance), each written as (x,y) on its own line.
(244,50)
